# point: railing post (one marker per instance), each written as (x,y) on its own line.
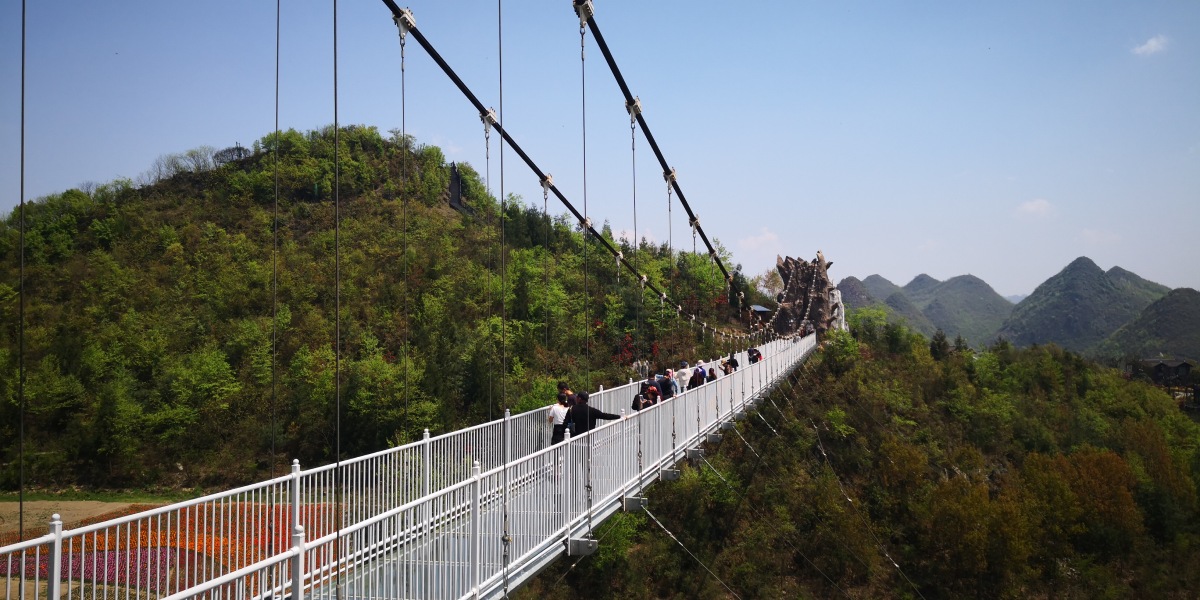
(54,576)
(624,445)
(295,494)
(476,528)
(298,562)
(426,465)
(507,436)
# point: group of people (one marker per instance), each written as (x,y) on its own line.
(572,413)
(655,388)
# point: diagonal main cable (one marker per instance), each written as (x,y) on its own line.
(405,17)
(667,171)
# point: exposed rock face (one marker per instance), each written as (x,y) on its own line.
(806,301)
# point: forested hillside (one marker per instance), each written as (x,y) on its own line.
(152,357)
(888,468)
(1170,326)
(1080,306)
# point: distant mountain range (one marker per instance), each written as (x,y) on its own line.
(963,305)
(1106,314)
(1080,306)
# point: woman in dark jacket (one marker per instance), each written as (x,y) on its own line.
(585,416)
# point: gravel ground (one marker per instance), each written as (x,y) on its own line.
(37,513)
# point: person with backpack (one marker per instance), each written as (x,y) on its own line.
(585,416)
(558,419)
(668,386)
(651,390)
(698,376)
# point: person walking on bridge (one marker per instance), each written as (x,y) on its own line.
(585,416)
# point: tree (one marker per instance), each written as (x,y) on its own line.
(768,282)
(939,348)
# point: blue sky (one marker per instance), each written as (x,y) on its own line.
(1000,140)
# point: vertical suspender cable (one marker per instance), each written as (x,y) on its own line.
(587,331)
(404,216)
(637,332)
(504,539)
(503,209)
(21,301)
(487,158)
(337,290)
(275,252)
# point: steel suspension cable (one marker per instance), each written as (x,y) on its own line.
(760,515)
(275,252)
(586,298)
(487,159)
(629,98)
(505,538)
(404,213)
(587,318)
(637,353)
(21,302)
(866,525)
(503,209)
(491,121)
(689,552)
(337,291)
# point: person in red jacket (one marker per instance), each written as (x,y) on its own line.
(585,416)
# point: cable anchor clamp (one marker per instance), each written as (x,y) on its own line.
(489,119)
(669,176)
(585,10)
(634,108)
(405,21)
(547,183)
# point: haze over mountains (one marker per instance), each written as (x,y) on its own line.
(1106,314)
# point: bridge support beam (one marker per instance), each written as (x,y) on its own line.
(633,503)
(727,425)
(713,438)
(695,453)
(668,475)
(581,546)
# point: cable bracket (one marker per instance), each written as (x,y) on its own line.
(405,21)
(585,11)
(547,183)
(634,108)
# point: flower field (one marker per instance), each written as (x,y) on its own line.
(174,550)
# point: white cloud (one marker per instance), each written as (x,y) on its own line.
(626,235)
(1038,207)
(1153,45)
(764,241)
(930,245)
(1099,237)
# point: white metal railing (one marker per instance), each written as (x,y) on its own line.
(409,521)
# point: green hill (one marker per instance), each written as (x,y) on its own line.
(153,359)
(1142,289)
(921,290)
(967,306)
(1079,307)
(904,311)
(855,294)
(879,287)
(879,472)
(1170,326)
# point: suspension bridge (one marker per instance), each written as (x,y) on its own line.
(472,513)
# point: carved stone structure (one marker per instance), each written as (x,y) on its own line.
(809,301)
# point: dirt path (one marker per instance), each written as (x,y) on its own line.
(37,513)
